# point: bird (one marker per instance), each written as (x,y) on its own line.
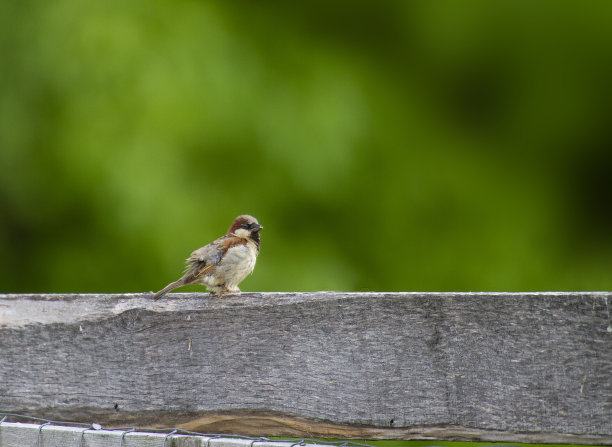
(225,262)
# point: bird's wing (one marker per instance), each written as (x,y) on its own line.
(204,260)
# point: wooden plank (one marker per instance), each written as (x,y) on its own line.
(532,367)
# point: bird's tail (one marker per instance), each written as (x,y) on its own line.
(173,285)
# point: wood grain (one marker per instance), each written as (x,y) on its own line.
(530,367)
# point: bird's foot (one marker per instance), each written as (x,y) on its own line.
(228,291)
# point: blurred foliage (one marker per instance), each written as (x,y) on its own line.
(383,145)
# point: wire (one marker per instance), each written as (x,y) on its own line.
(20,418)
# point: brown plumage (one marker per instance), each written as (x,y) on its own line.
(225,262)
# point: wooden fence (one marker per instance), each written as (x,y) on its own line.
(528,367)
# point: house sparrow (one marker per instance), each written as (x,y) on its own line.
(225,262)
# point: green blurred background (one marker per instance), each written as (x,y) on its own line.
(400,145)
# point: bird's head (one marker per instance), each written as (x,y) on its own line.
(245,226)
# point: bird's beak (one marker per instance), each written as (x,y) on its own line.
(258,227)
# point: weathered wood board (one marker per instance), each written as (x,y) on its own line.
(530,367)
